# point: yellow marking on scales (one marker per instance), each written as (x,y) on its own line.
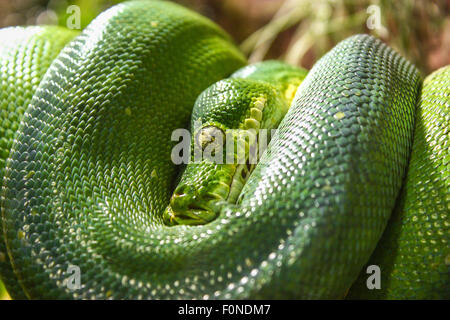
(251,124)
(339,115)
(30,175)
(20,234)
(290,92)
(254,121)
(256,114)
(260,103)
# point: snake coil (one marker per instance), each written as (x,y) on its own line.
(89,172)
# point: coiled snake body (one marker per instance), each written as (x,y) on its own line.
(89,177)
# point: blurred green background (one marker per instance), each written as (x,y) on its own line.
(297,31)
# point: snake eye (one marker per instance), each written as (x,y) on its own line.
(210,136)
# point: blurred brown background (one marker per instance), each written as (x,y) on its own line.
(297,31)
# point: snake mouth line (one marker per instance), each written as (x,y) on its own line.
(193,215)
(194,212)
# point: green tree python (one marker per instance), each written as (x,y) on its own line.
(356,173)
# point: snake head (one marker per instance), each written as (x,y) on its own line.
(225,125)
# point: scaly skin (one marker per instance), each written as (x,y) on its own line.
(414,254)
(90,174)
(112,96)
(26,54)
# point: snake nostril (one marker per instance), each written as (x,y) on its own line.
(178,193)
(180,190)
